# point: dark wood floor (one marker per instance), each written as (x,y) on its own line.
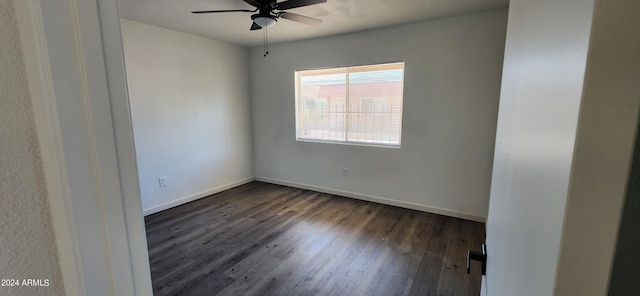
(264,239)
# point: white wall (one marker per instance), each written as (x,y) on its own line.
(190,110)
(542,80)
(26,234)
(452,81)
(565,131)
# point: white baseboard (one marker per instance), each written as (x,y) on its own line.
(193,197)
(377,199)
(349,194)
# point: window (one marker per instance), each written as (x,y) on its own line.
(361,105)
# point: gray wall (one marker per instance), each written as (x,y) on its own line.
(626,266)
(603,149)
(452,82)
(27,242)
(190,110)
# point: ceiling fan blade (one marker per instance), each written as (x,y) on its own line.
(254,3)
(255,26)
(297,3)
(301,18)
(217,11)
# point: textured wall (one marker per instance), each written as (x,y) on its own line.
(27,243)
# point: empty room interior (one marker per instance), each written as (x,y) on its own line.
(320,147)
(317,190)
(351,156)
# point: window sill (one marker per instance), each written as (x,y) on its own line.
(364,144)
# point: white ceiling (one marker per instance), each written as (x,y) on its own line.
(339,16)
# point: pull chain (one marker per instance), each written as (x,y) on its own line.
(267,34)
(265,39)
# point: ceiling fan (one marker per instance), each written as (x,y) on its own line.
(269,11)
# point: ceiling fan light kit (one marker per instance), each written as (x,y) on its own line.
(269,11)
(264,21)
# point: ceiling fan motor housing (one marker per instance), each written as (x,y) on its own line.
(269,11)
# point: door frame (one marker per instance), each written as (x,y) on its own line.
(73,55)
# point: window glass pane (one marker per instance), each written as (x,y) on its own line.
(375,104)
(322,106)
(356,104)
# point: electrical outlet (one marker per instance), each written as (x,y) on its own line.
(162,181)
(345,171)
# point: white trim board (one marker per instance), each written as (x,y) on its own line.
(43,97)
(377,199)
(196,196)
(75,98)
